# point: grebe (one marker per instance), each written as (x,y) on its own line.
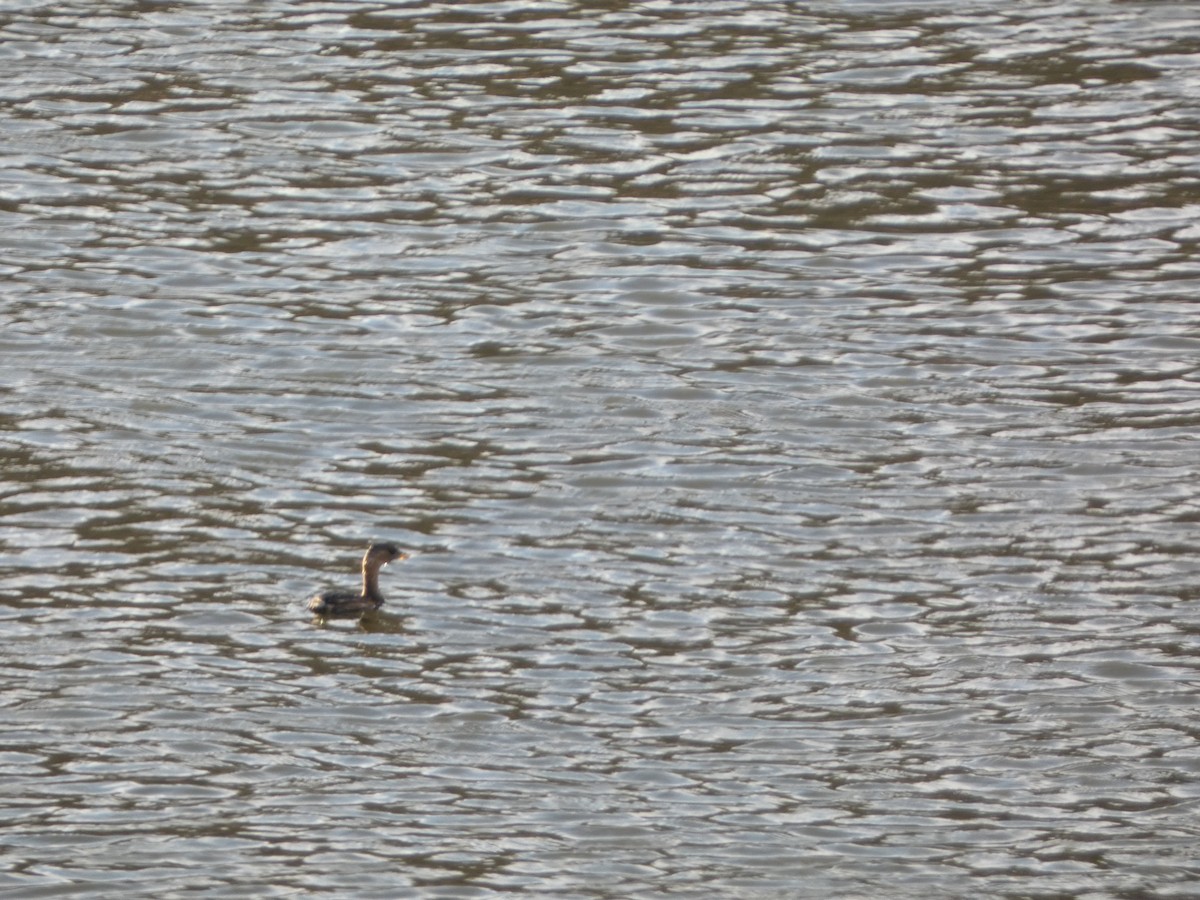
(349,605)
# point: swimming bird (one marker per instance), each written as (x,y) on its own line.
(351,605)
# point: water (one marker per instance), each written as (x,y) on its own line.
(790,409)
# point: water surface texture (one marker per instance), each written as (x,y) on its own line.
(791,410)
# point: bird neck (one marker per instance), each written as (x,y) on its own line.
(370,584)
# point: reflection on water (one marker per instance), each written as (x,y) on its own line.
(791,412)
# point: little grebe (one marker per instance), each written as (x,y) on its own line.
(347,604)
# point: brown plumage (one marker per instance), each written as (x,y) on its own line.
(348,604)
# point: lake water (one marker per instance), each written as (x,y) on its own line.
(791,411)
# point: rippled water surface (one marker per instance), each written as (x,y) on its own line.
(791,410)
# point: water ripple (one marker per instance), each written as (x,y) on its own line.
(790,411)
